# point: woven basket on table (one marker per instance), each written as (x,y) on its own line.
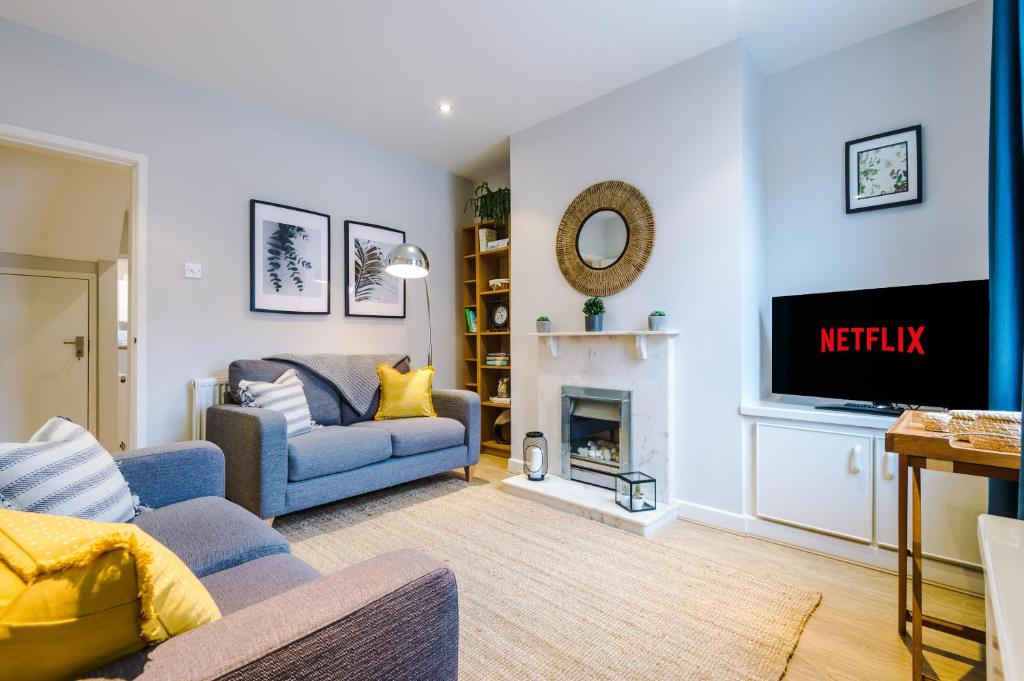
(936,421)
(998,431)
(961,422)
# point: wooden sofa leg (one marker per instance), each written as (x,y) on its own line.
(470,472)
(270,520)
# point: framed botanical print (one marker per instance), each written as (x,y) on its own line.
(884,171)
(289,259)
(369,290)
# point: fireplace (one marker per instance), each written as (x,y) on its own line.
(596,438)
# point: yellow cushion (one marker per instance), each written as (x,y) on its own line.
(404,395)
(76,594)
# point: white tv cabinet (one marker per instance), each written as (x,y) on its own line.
(822,480)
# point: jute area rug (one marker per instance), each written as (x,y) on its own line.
(547,595)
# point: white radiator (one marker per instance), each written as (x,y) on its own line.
(206,392)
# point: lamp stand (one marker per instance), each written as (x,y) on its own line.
(430,331)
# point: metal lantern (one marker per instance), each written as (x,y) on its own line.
(535,455)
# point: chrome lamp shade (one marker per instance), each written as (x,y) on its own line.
(407,261)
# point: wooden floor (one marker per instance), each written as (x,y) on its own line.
(852,635)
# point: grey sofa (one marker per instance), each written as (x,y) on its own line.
(391,617)
(271,474)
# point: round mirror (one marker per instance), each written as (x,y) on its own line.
(602,239)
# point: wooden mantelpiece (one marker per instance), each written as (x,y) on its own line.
(639,336)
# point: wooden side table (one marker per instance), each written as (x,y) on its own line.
(920,449)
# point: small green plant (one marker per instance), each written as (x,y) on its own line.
(491,204)
(657,313)
(593,307)
(542,318)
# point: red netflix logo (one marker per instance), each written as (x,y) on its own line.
(905,339)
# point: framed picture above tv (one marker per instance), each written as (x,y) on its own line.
(884,170)
(289,259)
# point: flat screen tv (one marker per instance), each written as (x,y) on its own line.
(911,345)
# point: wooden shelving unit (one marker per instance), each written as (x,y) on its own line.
(478,267)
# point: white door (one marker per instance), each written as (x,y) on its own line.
(816,479)
(44,367)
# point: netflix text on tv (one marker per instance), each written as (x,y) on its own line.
(921,345)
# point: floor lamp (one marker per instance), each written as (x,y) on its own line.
(408,261)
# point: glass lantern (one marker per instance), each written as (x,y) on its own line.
(636,491)
(535,455)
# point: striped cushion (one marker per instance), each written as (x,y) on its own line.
(284,395)
(63,470)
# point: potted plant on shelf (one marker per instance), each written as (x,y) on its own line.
(594,311)
(543,324)
(491,204)
(657,321)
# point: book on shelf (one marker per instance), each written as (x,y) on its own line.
(487,235)
(501,400)
(497,359)
(495,244)
(470,320)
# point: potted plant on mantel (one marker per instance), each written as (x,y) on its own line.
(657,321)
(594,311)
(543,324)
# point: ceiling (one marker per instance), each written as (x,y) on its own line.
(376,70)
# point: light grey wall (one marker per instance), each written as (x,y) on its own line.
(208,156)
(677,137)
(934,73)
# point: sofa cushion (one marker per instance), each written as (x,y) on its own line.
(334,449)
(255,581)
(211,534)
(324,403)
(420,434)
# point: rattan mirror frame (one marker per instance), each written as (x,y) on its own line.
(630,203)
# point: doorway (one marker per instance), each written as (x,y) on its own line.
(72,244)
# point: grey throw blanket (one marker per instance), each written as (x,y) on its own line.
(353,376)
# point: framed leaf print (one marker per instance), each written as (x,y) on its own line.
(884,171)
(369,290)
(289,259)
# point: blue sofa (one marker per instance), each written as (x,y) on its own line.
(271,474)
(394,617)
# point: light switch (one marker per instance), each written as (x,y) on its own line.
(193,270)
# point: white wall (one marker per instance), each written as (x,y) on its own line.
(676,136)
(745,177)
(934,73)
(209,155)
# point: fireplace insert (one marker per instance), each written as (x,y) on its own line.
(596,438)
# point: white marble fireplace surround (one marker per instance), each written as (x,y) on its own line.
(642,362)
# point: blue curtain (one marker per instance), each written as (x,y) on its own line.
(1006,232)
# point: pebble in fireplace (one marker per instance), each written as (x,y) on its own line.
(595,435)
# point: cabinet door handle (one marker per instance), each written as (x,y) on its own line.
(887,466)
(855,460)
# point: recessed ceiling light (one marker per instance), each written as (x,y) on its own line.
(444,107)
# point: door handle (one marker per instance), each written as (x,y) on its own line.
(855,460)
(887,461)
(79,344)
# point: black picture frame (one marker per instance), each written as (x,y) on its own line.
(253,295)
(351,304)
(915,171)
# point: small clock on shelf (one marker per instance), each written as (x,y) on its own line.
(498,316)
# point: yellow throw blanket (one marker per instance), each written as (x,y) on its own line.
(76,594)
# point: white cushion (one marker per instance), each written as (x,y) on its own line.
(284,395)
(63,470)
